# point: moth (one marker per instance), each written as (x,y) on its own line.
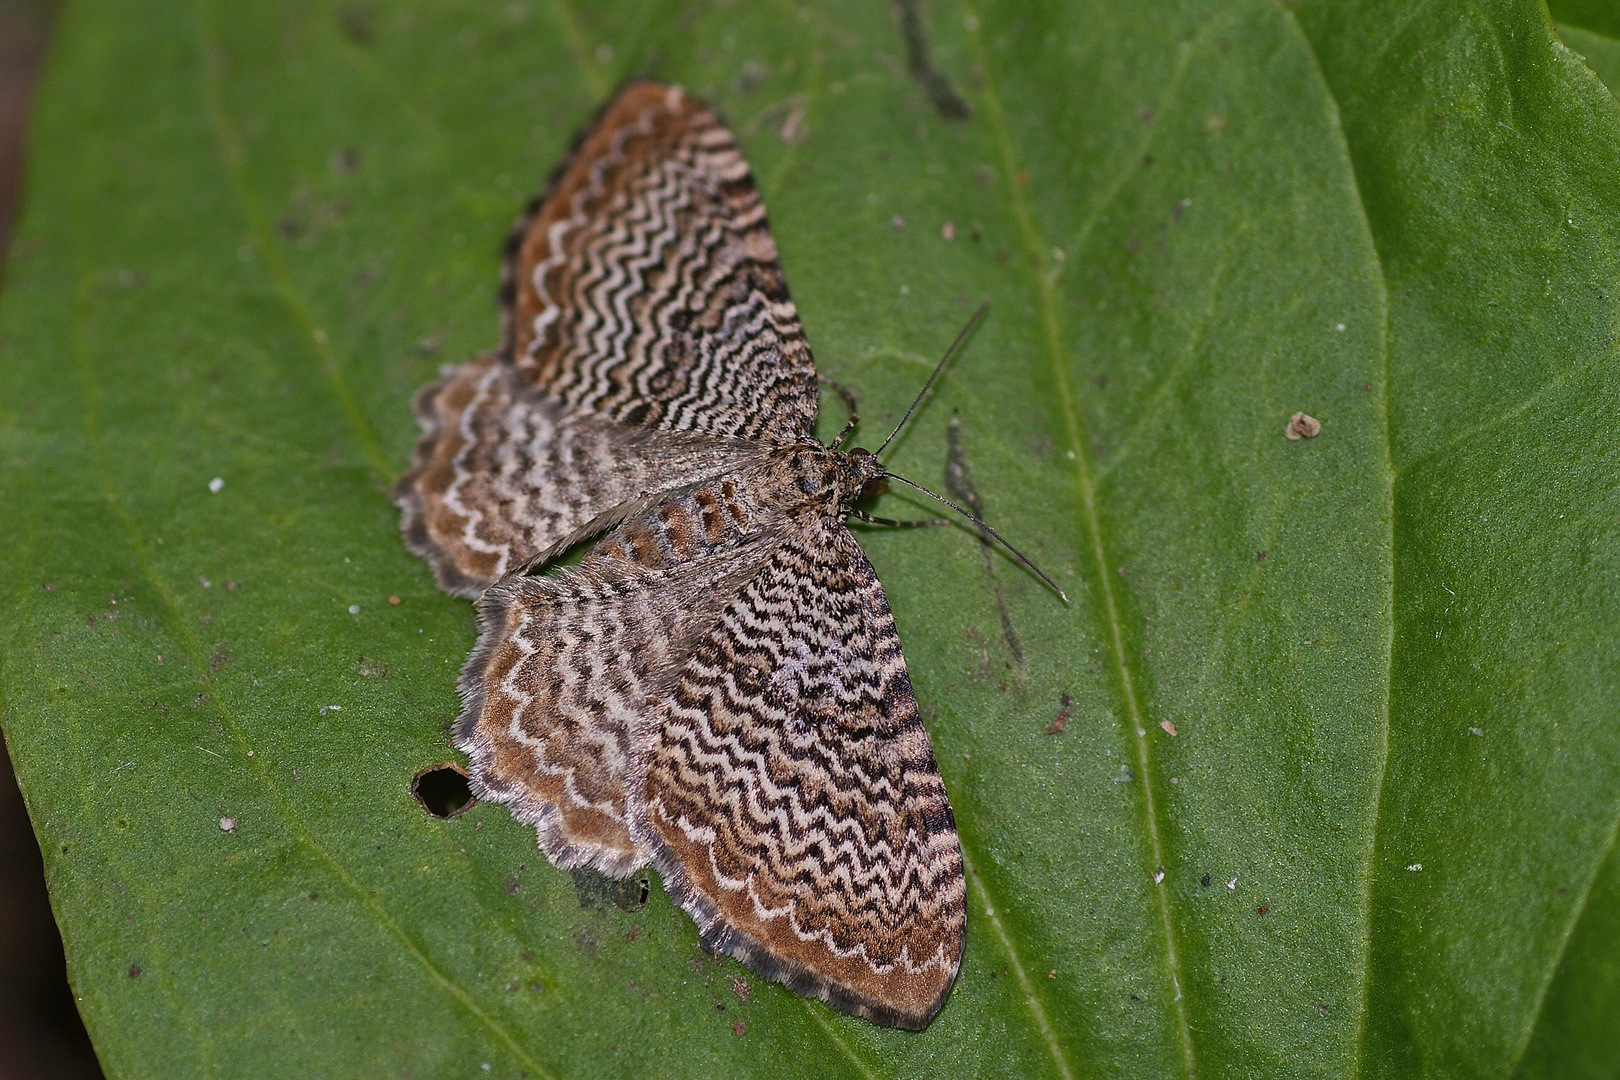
(715,688)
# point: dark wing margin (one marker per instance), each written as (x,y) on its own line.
(437,532)
(644,285)
(791,800)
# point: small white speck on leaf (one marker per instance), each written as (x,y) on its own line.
(1158,875)
(1169,729)
(1476,731)
(1415,866)
(227,824)
(1339,327)
(215,484)
(1232,884)
(330,708)
(354,609)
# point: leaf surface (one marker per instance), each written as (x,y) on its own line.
(1338,787)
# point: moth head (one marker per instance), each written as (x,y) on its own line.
(869,479)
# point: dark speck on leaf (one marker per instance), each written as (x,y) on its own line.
(749,78)
(355,22)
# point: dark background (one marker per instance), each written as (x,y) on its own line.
(41,1037)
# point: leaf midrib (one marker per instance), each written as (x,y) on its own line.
(1113,631)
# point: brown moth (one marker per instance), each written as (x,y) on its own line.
(716,687)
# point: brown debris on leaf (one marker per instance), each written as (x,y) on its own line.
(1302,426)
(1061,720)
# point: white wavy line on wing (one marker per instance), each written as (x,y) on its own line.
(452,494)
(549,308)
(767,914)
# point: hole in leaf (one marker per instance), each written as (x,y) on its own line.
(442,790)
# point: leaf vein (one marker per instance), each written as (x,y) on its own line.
(230,148)
(987,905)
(818,1013)
(91,390)
(1090,513)
(1577,911)
(1391,477)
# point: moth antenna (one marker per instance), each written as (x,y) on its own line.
(950,352)
(1019,555)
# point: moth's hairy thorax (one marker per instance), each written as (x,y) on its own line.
(787,481)
(808,474)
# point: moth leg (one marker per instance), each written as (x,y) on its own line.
(849,399)
(861,515)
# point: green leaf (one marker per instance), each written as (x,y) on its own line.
(1593,16)
(1600,52)
(1386,652)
